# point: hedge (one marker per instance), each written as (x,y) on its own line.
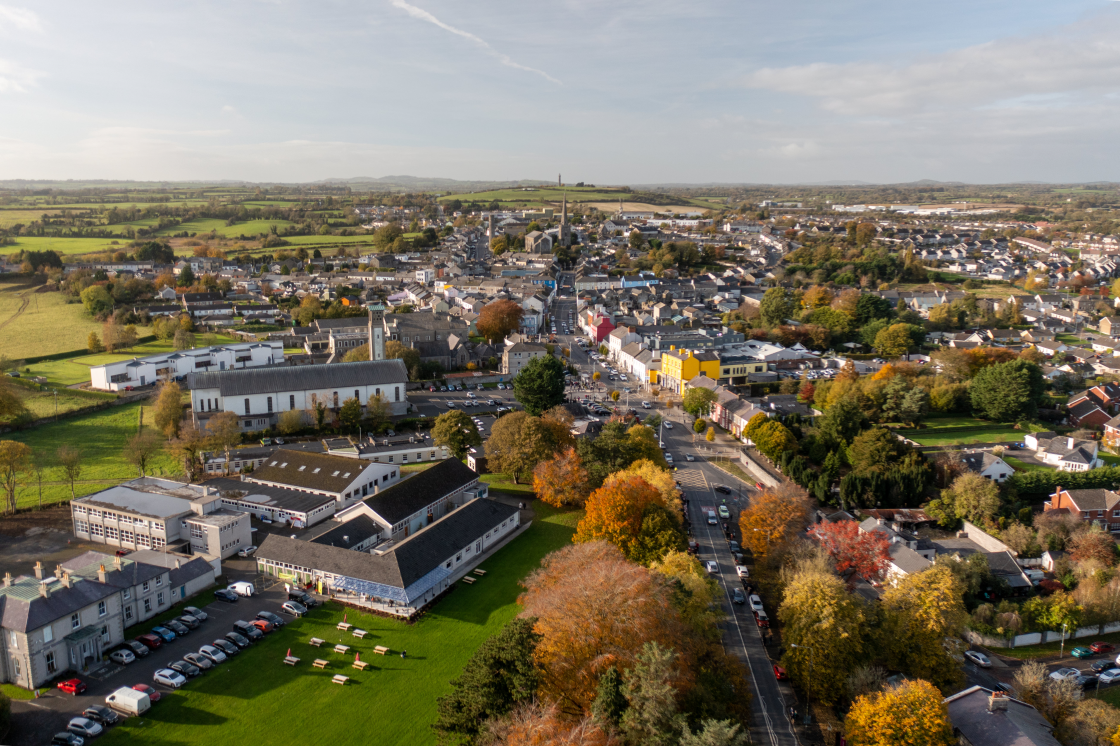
(1043,482)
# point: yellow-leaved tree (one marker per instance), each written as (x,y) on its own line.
(772,518)
(615,510)
(657,477)
(908,715)
(919,612)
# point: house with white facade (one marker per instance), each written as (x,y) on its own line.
(142,371)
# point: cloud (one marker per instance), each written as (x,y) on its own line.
(423,15)
(1080,60)
(16,79)
(21,19)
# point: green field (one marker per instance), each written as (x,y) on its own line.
(58,401)
(76,369)
(944,431)
(539,194)
(33,324)
(66,246)
(100,436)
(1018,465)
(256,699)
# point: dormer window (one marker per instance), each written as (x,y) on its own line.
(283,464)
(302,468)
(347,474)
(335,474)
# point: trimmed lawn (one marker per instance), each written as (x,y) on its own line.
(504,483)
(1018,465)
(16,692)
(66,246)
(961,430)
(255,698)
(47,403)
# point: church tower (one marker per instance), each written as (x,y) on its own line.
(376,332)
(565,235)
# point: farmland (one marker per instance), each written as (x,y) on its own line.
(66,246)
(604,199)
(40,323)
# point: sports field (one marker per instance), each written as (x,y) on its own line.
(256,699)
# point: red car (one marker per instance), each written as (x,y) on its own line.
(150,641)
(762,619)
(262,625)
(153,694)
(779,672)
(72,686)
(1102,647)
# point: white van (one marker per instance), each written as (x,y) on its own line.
(129,701)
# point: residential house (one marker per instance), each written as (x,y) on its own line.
(1067,453)
(988,465)
(517,356)
(1094,505)
(984,717)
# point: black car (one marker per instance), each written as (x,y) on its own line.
(186,668)
(302,597)
(225,595)
(247,629)
(226,646)
(66,739)
(273,619)
(238,639)
(100,714)
(723,489)
(1102,665)
(138,648)
(189,621)
(177,627)
(1086,681)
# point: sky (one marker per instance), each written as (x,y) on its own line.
(601,91)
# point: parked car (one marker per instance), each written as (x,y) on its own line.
(722,488)
(248,629)
(978,658)
(169,677)
(152,692)
(1081,652)
(756,602)
(273,619)
(1109,676)
(1102,647)
(150,641)
(177,627)
(186,668)
(294,608)
(189,621)
(761,619)
(263,625)
(72,686)
(100,714)
(737,596)
(742,571)
(711,567)
(226,647)
(1063,674)
(200,660)
(165,634)
(197,613)
(122,656)
(228,596)
(242,588)
(1103,664)
(84,727)
(65,738)
(1086,681)
(303,597)
(238,639)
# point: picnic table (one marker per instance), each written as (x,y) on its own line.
(468,580)
(360,634)
(344,626)
(480,573)
(381,650)
(315,641)
(320,663)
(341,648)
(360,665)
(291,660)
(340,679)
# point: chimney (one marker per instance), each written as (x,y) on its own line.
(177,564)
(1069,443)
(39,570)
(58,571)
(101,573)
(64,578)
(44,590)
(7,580)
(997,701)
(117,562)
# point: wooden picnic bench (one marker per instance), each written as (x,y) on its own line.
(291,660)
(320,663)
(344,626)
(315,641)
(360,634)
(480,573)
(468,580)
(360,665)
(340,679)
(381,650)
(341,648)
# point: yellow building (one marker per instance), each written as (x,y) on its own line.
(680,366)
(735,369)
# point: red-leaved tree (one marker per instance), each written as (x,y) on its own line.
(857,554)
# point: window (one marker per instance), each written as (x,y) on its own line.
(15,668)
(246,406)
(147,606)
(105,633)
(196,531)
(336,400)
(291,401)
(101,610)
(159,581)
(357,395)
(51,665)
(159,599)
(14,636)
(75,621)
(1100,514)
(96,529)
(147,585)
(128,613)
(397,393)
(270,404)
(478,546)
(48,633)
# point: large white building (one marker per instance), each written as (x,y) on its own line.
(258,397)
(141,371)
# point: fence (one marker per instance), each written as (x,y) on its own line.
(757,470)
(1037,638)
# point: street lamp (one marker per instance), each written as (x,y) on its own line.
(1062,650)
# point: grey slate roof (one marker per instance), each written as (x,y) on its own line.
(978,462)
(189,567)
(301,378)
(907,560)
(23,609)
(131,574)
(404,498)
(1018,725)
(356,530)
(307,470)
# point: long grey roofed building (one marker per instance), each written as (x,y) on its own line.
(338,376)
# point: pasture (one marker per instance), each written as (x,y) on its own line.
(66,246)
(255,698)
(33,324)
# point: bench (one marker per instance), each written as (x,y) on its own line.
(341,648)
(319,663)
(360,634)
(291,660)
(344,626)
(381,650)
(315,641)
(340,679)
(360,665)
(480,573)
(468,581)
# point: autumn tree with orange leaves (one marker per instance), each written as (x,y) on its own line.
(540,724)
(857,554)
(615,511)
(561,480)
(772,518)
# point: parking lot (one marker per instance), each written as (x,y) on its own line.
(431,404)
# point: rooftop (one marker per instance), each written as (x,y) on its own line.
(301,378)
(403,499)
(307,470)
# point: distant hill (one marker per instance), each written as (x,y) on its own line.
(432,183)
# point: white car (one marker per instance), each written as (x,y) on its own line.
(742,571)
(1065,674)
(978,658)
(1111,676)
(450,403)
(170,678)
(124,657)
(669,458)
(247,551)
(242,588)
(668,425)
(711,567)
(755,602)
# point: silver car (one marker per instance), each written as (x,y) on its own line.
(169,677)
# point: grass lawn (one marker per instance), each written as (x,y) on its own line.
(33,324)
(255,698)
(100,436)
(504,483)
(1018,465)
(67,246)
(47,404)
(1108,458)
(732,468)
(940,431)
(16,692)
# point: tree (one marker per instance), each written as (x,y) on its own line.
(596,376)
(856,554)
(93,343)
(874,451)
(652,716)
(518,442)
(139,450)
(1092,722)
(498,319)
(822,629)
(610,702)
(911,714)
(842,421)
(973,498)
(660,535)
(70,460)
(379,413)
(499,675)
(540,384)
(1093,543)
(870,307)
(15,460)
(394,350)
(615,511)
(715,733)
(290,421)
(893,341)
(920,611)
(225,433)
(595,607)
(11,404)
(97,300)
(698,401)
(1008,392)
(777,305)
(350,414)
(187,447)
(615,396)
(168,408)
(455,431)
(186,277)
(772,518)
(772,439)
(357,355)
(561,480)
(710,436)
(183,340)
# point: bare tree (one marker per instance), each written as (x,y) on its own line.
(40,462)
(139,450)
(225,433)
(70,459)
